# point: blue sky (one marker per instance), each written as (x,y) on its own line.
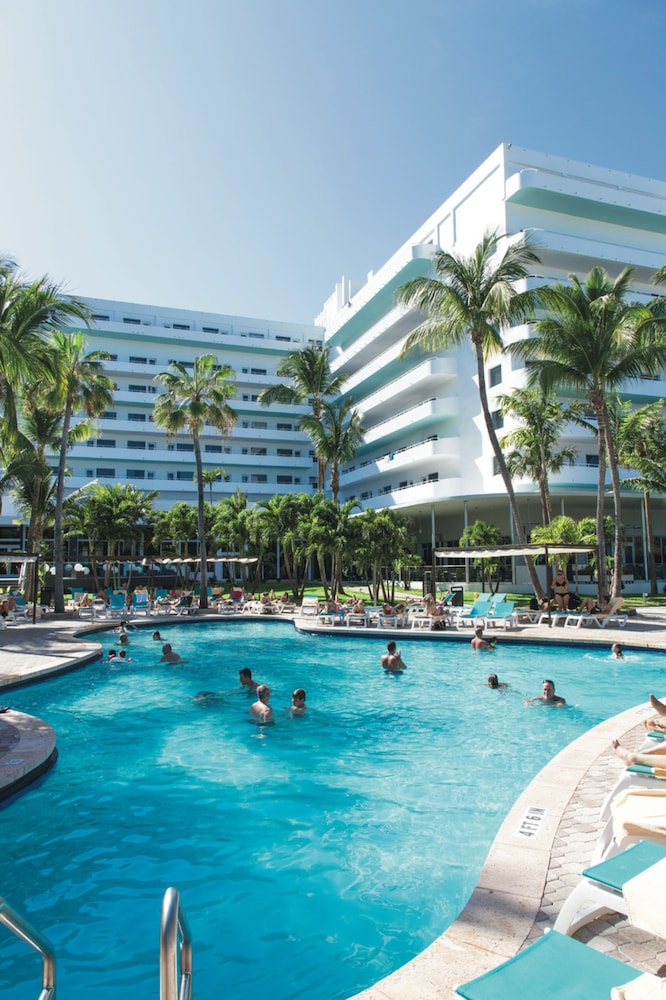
(241,156)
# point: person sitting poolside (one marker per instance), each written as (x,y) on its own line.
(548,697)
(658,723)
(392,660)
(333,606)
(168,655)
(591,606)
(261,710)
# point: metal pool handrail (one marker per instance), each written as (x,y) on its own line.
(22,929)
(173,921)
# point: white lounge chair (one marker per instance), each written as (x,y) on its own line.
(600,888)
(610,617)
(310,605)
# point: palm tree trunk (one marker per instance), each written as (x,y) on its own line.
(617,504)
(58,560)
(504,472)
(203,566)
(652,554)
(602,573)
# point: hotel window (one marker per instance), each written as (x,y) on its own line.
(284,479)
(184,475)
(105,473)
(106,443)
(181,326)
(213,449)
(258,477)
(132,322)
(258,451)
(257,371)
(210,329)
(259,425)
(285,452)
(109,415)
(184,447)
(100,319)
(495,375)
(136,473)
(592,460)
(137,388)
(284,427)
(137,361)
(137,445)
(140,417)
(497,418)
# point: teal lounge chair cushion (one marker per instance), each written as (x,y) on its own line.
(556,967)
(616,871)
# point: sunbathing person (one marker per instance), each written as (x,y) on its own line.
(659,722)
(649,757)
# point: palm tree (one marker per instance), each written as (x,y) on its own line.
(190,402)
(311,382)
(211,476)
(483,534)
(382,539)
(337,435)
(29,311)
(535,454)
(591,341)
(473,299)
(276,522)
(641,445)
(80,385)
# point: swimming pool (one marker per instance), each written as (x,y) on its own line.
(313,856)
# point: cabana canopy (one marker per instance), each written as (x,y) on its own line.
(509,551)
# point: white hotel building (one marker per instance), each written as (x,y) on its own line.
(425,451)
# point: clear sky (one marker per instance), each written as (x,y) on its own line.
(240,156)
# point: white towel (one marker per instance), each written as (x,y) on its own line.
(646,987)
(639,812)
(644,895)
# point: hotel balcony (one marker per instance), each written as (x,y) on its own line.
(408,464)
(428,413)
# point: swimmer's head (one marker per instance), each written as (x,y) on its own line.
(391,646)
(298,695)
(493,681)
(263,693)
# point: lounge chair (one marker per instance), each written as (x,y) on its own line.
(185,606)
(117,606)
(600,889)
(310,605)
(140,603)
(556,967)
(502,614)
(19,613)
(477,613)
(634,776)
(610,617)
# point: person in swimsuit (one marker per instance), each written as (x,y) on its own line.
(561,590)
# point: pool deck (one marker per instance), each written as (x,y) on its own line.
(535,859)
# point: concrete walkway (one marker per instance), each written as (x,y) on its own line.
(545,841)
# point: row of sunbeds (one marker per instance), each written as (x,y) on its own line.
(628,876)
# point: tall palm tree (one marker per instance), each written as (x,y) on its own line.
(641,445)
(534,453)
(337,435)
(190,402)
(80,385)
(591,341)
(473,299)
(28,312)
(311,381)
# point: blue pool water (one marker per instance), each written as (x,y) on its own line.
(313,856)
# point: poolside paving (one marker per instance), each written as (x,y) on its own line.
(545,841)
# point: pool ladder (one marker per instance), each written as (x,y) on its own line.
(175,949)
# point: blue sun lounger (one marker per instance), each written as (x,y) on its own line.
(556,967)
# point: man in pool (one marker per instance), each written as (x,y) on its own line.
(548,697)
(478,642)
(298,705)
(261,710)
(168,655)
(392,660)
(245,677)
